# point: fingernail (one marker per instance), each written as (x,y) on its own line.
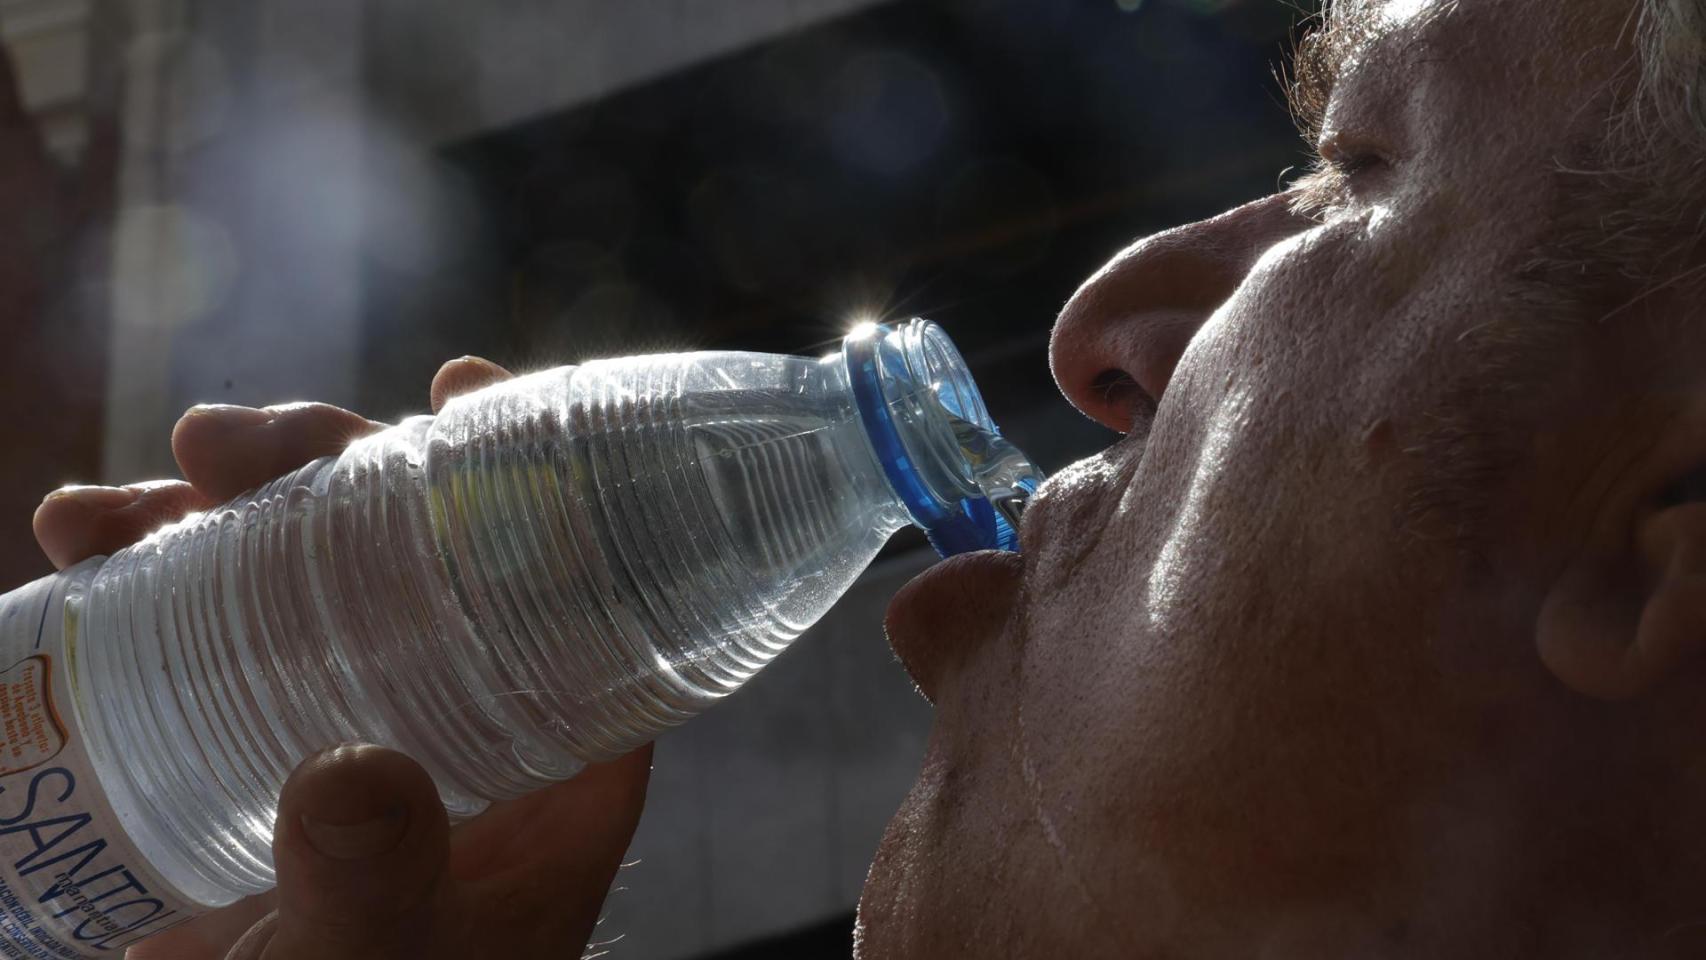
(360,840)
(468,360)
(231,414)
(96,497)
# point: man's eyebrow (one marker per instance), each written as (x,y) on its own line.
(1341,31)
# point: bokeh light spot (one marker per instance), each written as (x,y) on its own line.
(889,113)
(171,266)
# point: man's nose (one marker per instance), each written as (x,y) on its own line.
(1118,340)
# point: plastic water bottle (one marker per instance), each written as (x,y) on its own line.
(549,572)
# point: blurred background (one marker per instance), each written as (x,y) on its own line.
(252,201)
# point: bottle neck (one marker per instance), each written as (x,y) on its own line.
(959,480)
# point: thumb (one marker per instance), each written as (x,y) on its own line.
(361,849)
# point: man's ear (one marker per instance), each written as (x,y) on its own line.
(1624,618)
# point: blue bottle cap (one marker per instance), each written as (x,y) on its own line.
(940,450)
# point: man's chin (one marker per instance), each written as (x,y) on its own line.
(868,929)
(900,884)
(877,932)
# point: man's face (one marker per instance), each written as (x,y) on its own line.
(1265,681)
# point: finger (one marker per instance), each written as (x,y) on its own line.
(361,848)
(546,860)
(75,523)
(464,375)
(254,942)
(226,450)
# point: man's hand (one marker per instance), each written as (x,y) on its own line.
(368,866)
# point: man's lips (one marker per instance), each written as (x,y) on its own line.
(946,613)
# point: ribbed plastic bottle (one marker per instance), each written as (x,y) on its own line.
(549,572)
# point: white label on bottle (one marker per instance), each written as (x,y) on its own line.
(72,885)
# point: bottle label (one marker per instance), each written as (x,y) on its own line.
(72,885)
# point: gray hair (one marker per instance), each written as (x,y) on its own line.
(1652,163)
(1672,38)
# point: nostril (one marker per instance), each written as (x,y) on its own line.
(1114,386)
(1120,395)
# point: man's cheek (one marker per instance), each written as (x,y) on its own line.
(1313,303)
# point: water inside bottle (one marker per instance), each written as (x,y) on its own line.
(1001,470)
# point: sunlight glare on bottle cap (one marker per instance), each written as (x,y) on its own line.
(862,327)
